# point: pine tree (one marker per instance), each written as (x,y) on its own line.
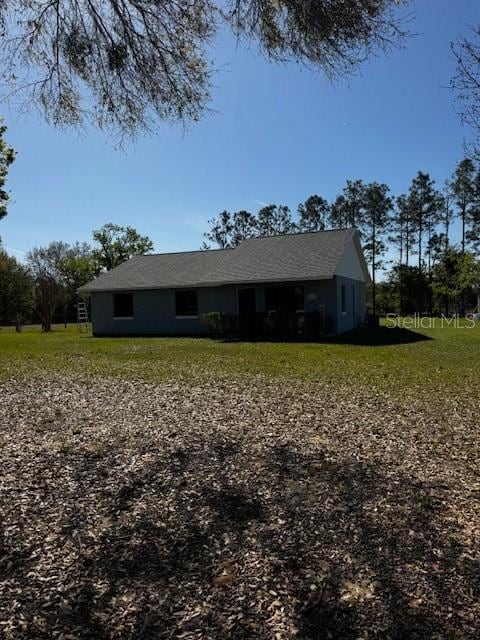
(244,226)
(447,213)
(399,227)
(221,230)
(424,204)
(347,209)
(433,217)
(313,214)
(338,216)
(463,189)
(377,206)
(274,220)
(473,233)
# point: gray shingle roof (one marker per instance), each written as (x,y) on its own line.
(301,256)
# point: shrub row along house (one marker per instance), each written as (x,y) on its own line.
(295,278)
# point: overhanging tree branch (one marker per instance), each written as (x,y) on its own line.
(127,64)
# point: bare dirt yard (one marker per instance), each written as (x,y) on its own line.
(231,507)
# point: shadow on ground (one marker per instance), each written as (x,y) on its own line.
(228,541)
(382,336)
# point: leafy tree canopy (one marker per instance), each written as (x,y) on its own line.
(77,267)
(16,291)
(45,265)
(45,262)
(411,288)
(59,270)
(7,156)
(457,272)
(117,244)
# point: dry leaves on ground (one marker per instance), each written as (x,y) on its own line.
(235,509)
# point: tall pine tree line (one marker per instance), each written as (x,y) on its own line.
(413,229)
(416,227)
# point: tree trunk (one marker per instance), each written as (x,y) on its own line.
(447,228)
(401,244)
(430,296)
(374,301)
(462,296)
(402,304)
(429,267)
(420,231)
(407,245)
(47,319)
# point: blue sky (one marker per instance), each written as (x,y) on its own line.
(277,135)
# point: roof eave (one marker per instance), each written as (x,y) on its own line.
(203,285)
(363,262)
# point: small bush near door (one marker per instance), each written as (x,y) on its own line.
(220,325)
(266,325)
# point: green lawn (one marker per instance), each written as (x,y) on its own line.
(423,361)
(260,490)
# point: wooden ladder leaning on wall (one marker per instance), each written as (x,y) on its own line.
(83,321)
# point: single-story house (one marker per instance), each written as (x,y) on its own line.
(167,294)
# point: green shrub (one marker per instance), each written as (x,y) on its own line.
(265,325)
(220,325)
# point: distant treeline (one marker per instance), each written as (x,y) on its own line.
(45,289)
(428,272)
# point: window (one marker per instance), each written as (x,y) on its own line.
(354,306)
(344,298)
(284,299)
(186,304)
(123,305)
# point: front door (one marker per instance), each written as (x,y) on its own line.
(246,312)
(246,301)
